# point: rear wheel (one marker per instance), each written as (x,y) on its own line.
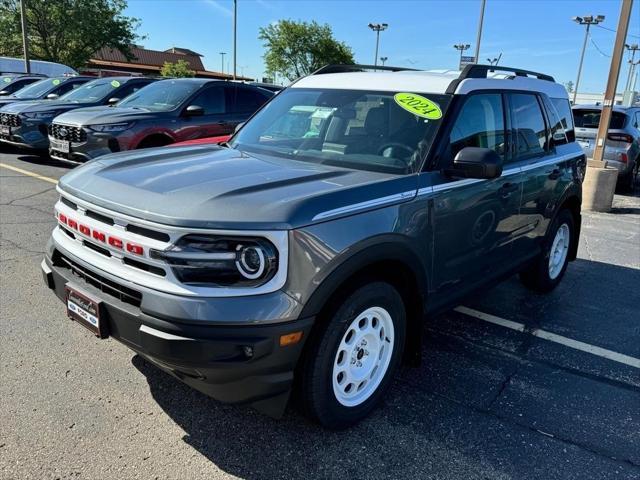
(351,363)
(545,273)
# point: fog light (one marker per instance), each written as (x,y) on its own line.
(248,351)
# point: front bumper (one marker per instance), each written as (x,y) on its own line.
(241,363)
(30,134)
(95,145)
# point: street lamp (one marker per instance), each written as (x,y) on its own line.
(587,20)
(377,27)
(383,59)
(462,47)
(495,60)
(222,54)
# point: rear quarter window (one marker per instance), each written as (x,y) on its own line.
(566,117)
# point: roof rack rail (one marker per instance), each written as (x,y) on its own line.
(482,71)
(9,72)
(358,68)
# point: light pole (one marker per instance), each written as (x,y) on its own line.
(462,47)
(222,54)
(383,59)
(377,27)
(495,60)
(235,17)
(587,20)
(25,37)
(479,35)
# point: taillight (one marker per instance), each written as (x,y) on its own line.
(623,158)
(72,224)
(84,230)
(62,218)
(620,137)
(135,249)
(101,237)
(115,242)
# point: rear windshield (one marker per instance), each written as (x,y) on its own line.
(161,96)
(93,91)
(379,131)
(590,118)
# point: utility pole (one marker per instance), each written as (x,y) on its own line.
(222,54)
(462,47)
(235,36)
(383,59)
(479,36)
(377,27)
(25,37)
(632,65)
(612,82)
(587,20)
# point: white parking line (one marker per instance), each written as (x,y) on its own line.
(552,337)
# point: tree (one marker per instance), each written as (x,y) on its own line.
(67,31)
(295,49)
(179,69)
(569,86)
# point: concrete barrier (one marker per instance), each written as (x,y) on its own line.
(598,187)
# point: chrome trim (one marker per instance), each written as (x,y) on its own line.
(160,334)
(376,202)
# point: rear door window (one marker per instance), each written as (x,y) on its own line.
(480,123)
(248,100)
(590,118)
(530,130)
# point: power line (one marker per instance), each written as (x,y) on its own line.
(598,48)
(612,30)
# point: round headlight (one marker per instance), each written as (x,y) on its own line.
(250,261)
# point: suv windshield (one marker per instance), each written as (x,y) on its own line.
(358,129)
(38,88)
(93,91)
(591,119)
(161,96)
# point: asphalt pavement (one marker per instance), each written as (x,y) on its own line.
(514,385)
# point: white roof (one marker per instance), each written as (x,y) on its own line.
(433,81)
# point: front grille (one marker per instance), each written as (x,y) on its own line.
(67,132)
(10,119)
(122,293)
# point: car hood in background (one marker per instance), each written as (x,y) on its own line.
(33,106)
(214,187)
(104,115)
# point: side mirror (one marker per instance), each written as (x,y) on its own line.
(52,96)
(194,111)
(4,92)
(476,162)
(238,127)
(112,101)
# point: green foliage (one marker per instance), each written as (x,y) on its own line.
(569,86)
(295,49)
(67,31)
(179,69)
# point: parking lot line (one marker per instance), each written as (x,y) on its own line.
(552,337)
(28,173)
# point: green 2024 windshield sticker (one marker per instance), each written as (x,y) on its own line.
(418,105)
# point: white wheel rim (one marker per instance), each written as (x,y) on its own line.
(559,250)
(363,357)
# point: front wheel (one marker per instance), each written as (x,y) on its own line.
(545,273)
(351,364)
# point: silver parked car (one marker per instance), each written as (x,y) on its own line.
(623,140)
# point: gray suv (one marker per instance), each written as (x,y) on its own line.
(622,149)
(308,251)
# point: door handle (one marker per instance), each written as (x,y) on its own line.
(555,174)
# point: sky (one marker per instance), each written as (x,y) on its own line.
(531,34)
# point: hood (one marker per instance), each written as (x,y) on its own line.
(41,106)
(5,100)
(214,187)
(104,114)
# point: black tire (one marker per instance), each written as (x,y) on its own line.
(316,387)
(536,277)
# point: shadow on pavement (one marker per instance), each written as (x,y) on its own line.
(37,158)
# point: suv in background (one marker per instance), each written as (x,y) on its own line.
(11,83)
(47,89)
(163,113)
(26,124)
(309,250)
(622,149)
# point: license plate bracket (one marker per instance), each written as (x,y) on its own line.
(87,310)
(5,130)
(63,146)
